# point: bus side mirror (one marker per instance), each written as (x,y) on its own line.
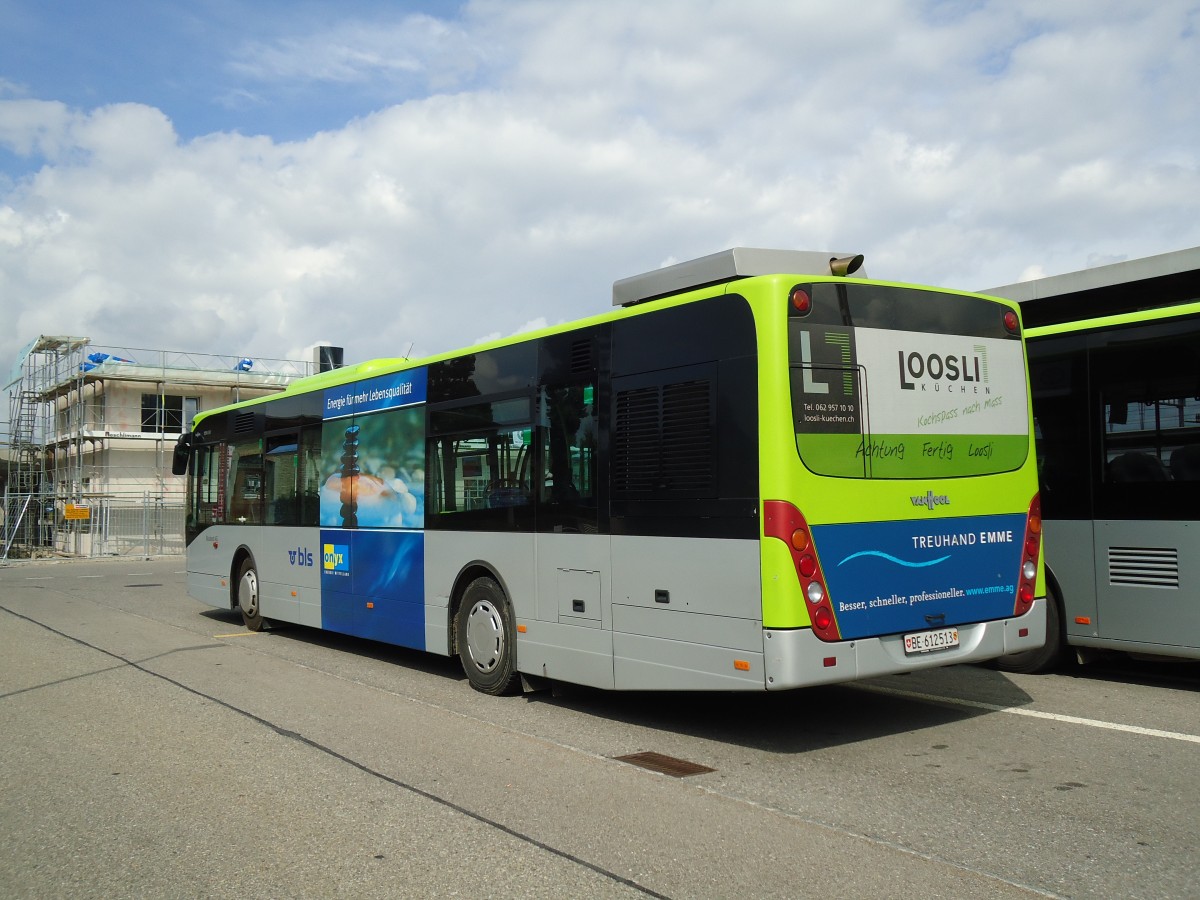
(182,455)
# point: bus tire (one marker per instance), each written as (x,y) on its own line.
(1044,658)
(486,638)
(249,599)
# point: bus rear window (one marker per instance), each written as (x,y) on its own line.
(903,383)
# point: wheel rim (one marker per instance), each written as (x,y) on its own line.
(485,636)
(248,593)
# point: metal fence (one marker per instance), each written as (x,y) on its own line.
(38,525)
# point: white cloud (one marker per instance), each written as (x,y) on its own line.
(966,146)
(356,51)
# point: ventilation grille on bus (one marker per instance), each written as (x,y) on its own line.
(663,441)
(582,358)
(243,422)
(687,435)
(1143,566)
(637,445)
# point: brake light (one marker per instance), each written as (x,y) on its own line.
(1027,586)
(783,521)
(801,301)
(1012,324)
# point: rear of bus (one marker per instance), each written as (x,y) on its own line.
(901,524)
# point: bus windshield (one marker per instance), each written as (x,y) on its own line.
(892,382)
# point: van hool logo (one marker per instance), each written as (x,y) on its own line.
(929,500)
(940,373)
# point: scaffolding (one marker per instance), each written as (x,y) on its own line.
(91,434)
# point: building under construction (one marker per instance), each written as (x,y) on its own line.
(92,430)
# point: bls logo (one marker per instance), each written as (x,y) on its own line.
(300,557)
(336,558)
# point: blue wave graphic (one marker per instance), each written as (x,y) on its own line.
(890,558)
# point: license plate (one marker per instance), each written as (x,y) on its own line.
(928,641)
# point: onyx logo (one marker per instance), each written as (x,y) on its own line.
(300,557)
(943,372)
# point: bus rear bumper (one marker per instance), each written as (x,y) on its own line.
(798,658)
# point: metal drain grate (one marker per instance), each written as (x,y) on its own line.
(667,765)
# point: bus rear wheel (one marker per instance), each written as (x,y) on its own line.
(486,638)
(249,600)
(1044,658)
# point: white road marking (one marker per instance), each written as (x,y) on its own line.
(1037,714)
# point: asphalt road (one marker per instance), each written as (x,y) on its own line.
(151,747)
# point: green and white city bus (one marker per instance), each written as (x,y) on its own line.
(757,472)
(1114,357)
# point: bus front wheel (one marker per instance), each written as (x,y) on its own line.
(486,638)
(249,600)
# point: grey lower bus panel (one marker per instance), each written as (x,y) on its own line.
(661,648)
(615,611)
(290,575)
(1136,583)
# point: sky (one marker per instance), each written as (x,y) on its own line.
(402,178)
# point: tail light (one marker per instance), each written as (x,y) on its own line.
(783,521)
(1030,551)
(1012,324)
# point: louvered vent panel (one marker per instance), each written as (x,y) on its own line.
(1144,566)
(581,357)
(687,435)
(243,422)
(636,442)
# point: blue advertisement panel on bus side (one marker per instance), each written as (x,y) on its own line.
(373,447)
(373,394)
(894,577)
(373,585)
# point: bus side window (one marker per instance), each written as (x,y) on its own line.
(309,477)
(281,475)
(206,480)
(244,484)
(1151,411)
(479,462)
(567,489)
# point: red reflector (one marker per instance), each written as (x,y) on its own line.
(830,662)
(1011,322)
(1022,632)
(801,301)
